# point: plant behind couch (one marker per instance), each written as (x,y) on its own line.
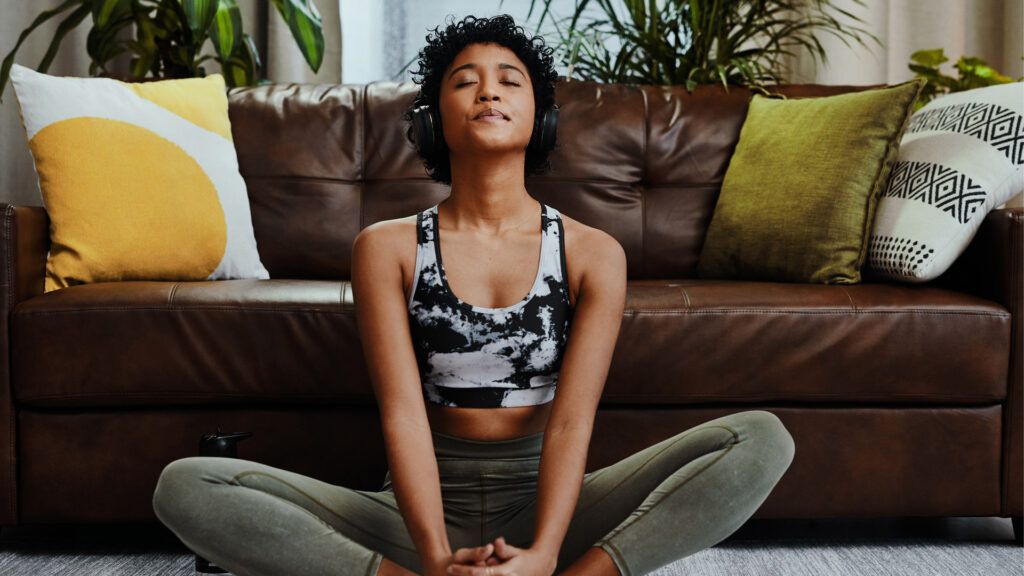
(971,73)
(692,42)
(170,34)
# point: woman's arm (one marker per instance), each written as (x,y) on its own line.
(588,354)
(382,317)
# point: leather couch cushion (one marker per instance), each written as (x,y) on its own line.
(643,163)
(682,342)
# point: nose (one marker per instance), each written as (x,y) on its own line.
(486,91)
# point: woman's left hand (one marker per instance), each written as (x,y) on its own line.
(509,560)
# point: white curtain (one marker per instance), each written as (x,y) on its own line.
(281,58)
(990,29)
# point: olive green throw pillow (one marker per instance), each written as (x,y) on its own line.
(798,200)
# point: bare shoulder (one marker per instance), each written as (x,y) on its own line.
(589,246)
(591,252)
(389,233)
(395,237)
(389,241)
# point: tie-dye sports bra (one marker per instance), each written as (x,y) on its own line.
(472,356)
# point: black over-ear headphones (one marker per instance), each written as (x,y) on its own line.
(426,127)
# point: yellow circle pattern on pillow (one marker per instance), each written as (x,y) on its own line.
(110,226)
(140,180)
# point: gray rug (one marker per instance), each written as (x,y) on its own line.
(903,547)
(845,558)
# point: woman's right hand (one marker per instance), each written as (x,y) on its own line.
(475,556)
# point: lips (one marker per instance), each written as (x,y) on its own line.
(489,112)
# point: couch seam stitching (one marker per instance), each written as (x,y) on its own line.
(9,262)
(757,311)
(844,312)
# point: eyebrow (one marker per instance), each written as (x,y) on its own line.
(501,66)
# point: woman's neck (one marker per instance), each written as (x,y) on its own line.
(491,212)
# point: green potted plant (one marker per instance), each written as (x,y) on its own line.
(169,36)
(971,73)
(692,42)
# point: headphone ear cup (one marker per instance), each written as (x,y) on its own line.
(426,127)
(545,130)
(550,133)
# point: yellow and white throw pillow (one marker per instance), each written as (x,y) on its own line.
(140,181)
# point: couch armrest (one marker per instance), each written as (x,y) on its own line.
(987,267)
(24,242)
(993,267)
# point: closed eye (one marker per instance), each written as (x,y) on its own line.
(506,82)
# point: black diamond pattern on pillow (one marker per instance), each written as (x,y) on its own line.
(1001,127)
(940,186)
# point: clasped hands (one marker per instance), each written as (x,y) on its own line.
(499,558)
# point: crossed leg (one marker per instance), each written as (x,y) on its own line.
(257,520)
(665,502)
(672,499)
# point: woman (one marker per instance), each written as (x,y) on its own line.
(486,462)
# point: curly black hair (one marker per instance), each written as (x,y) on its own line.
(442,48)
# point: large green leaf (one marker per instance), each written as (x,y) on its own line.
(104,11)
(252,53)
(199,14)
(145,46)
(102,42)
(930,58)
(243,68)
(227,29)
(304,22)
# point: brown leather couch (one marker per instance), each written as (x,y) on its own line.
(903,399)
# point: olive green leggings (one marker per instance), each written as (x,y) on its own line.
(667,501)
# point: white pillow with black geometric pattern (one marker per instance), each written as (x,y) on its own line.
(961,156)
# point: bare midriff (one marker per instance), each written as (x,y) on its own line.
(488,423)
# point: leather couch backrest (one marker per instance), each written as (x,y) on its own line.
(644,163)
